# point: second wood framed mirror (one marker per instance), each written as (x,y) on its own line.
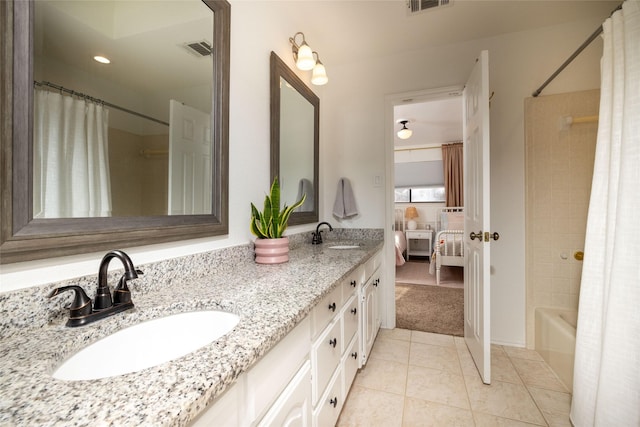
(295,121)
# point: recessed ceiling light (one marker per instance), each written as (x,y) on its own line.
(102,59)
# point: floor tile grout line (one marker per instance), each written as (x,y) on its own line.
(526,386)
(406,365)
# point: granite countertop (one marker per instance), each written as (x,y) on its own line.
(270,301)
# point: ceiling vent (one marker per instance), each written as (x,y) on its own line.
(417,6)
(199,49)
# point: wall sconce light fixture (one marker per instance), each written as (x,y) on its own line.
(305,60)
(404,133)
(319,74)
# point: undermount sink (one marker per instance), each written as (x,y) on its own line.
(344,247)
(147,344)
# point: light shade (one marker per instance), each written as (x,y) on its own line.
(411,212)
(404,133)
(319,75)
(305,59)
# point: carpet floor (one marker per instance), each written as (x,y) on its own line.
(417,272)
(436,309)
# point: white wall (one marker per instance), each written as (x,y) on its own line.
(354,138)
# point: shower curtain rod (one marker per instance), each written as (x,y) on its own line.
(586,43)
(98,101)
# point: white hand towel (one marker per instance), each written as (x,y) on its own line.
(305,187)
(345,204)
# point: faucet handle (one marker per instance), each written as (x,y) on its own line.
(81,305)
(122,294)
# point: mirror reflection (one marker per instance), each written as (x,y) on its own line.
(131,137)
(296,146)
(295,112)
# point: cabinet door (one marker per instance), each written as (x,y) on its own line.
(350,365)
(293,407)
(370,317)
(325,358)
(350,316)
(223,411)
(328,409)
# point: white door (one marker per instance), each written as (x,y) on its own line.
(189,160)
(476,206)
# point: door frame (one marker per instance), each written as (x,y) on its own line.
(388,300)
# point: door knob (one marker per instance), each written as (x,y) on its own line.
(477,235)
(494,236)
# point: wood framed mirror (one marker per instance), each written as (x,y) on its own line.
(27,232)
(295,120)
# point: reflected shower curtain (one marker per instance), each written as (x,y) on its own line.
(71,164)
(452,156)
(607,360)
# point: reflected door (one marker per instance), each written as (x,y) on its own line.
(189,160)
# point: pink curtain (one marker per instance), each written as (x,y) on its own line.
(452,165)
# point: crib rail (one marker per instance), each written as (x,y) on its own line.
(452,243)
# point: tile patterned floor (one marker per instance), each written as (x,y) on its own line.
(415,379)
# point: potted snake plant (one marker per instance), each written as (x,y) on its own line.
(268,225)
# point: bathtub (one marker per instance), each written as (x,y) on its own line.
(556,341)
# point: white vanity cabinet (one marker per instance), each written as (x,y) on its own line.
(274,392)
(293,407)
(369,306)
(305,379)
(329,348)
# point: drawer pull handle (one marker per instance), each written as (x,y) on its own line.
(334,401)
(332,306)
(354,311)
(353,283)
(375,283)
(354,355)
(333,342)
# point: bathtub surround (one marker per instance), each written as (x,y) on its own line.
(607,372)
(269,299)
(559,168)
(556,341)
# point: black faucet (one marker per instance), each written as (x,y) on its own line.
(317,236)
(81,312)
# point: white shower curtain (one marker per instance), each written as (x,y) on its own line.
(71,163)
(606,382)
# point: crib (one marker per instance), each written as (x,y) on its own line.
(449,243)
(400,238)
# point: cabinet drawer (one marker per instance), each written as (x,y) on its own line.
(328,410)
(350,364)
(351,283)
(349,321)
(419,235)
(325,358)
(326,310)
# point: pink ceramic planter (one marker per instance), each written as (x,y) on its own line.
(272,251)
